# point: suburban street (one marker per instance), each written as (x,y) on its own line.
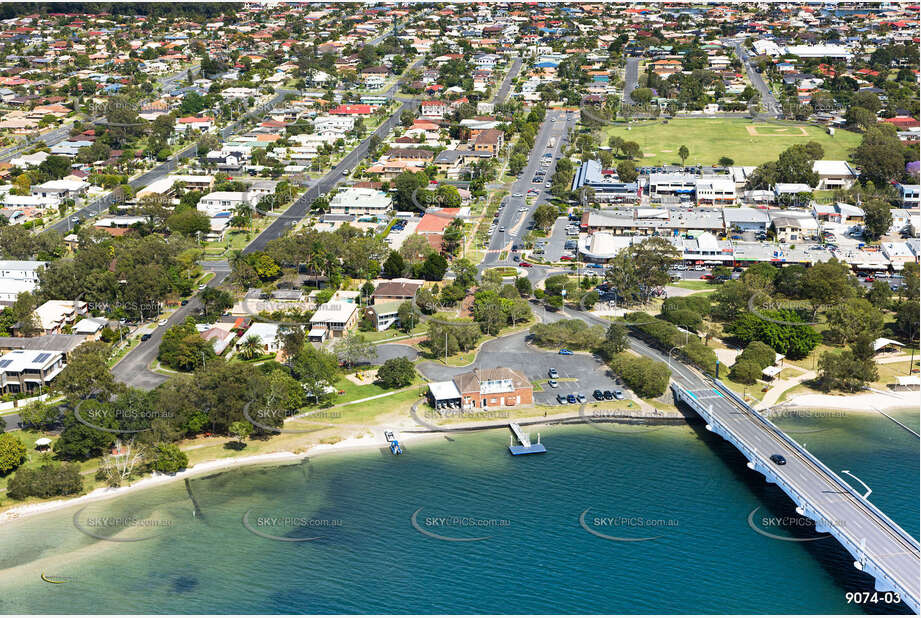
(338,174)
(768,101)
(502,92)
(133,369)
(100,204)
(631,75)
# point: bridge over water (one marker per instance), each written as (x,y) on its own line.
(880,547)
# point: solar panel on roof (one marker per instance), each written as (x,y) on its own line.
(5,363)
(41,358)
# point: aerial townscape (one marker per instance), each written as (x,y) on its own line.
(460,308)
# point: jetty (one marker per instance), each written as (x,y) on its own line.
(524,446)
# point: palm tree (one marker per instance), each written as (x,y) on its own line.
(251,347)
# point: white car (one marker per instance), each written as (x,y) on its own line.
(162,322)
(517,195)
(202,286)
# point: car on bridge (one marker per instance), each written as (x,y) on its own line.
(780,460)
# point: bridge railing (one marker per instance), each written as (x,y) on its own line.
(802,451)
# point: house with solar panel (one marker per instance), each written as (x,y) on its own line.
(25,371)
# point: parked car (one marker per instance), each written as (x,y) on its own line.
(571,398)
(566,352)
(145,336)
(560,398)
(553,373)
(184,302)
(552,383)
(567,258)
(597,394)
(608,395)
(525,264)
(202,286)
(618,395)
(707,276)
(581,398)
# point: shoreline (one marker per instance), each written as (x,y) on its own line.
(422,433)
(19,512)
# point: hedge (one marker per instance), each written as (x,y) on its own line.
(645,377)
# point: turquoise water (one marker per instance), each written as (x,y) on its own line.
(691,491)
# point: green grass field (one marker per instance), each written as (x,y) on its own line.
(709,139)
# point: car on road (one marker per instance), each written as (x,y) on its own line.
(597,394)
(618,395)
(869,278)
(780,460)
(162,322)
(517,195)
(346,171)
(184,302)
(202,286)
(608,395)
(565,352)
(552,383)
(567,258)
(706,277)
(553,373)
(547,184)
(145,336)
(525,264)
(580,398)
(571,398)
(502,229)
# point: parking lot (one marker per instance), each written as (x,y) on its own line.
(579,373)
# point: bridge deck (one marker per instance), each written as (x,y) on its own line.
(881,548)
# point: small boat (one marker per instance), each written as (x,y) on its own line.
(52,581)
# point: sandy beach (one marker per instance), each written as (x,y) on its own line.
(863,402)
(18,512)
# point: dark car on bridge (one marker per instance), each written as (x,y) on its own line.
(778,459)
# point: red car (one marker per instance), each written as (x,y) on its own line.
(869,279)
(708,277)
(525,264)
(567,258)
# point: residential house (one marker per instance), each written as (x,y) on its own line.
(333,319)
(25,371)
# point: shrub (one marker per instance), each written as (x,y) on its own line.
(645,376)
(661,333)
(700,355)
(12,452)
(685,318)
(575,334)
(51,479)
(396,372)
(760,353)
(170,459)
(745,372)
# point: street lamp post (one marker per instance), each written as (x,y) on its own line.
(670,356)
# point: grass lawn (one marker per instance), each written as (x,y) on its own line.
(888,372)
(709,139)
(694,284)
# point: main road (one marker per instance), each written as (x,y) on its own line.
(556,125)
